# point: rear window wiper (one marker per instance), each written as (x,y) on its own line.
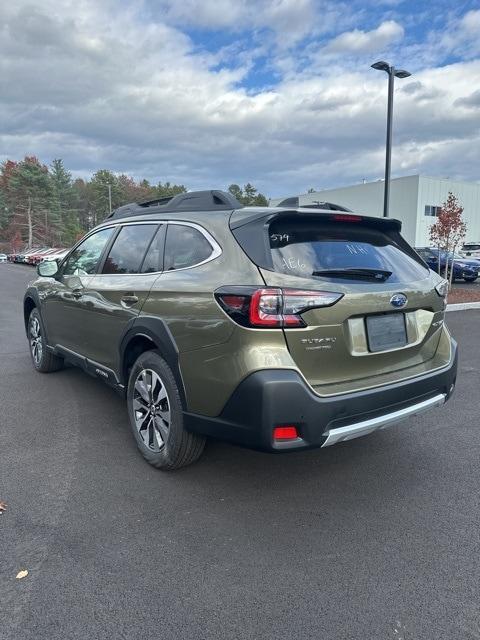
(367,274)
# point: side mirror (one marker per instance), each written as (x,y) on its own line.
(48,268)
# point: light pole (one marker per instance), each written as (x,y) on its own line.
(392,73)
(110,198)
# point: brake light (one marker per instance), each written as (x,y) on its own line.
(272,308)
(346,217)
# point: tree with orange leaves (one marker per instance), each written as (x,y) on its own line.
(449,230)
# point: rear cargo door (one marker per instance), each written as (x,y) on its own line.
(389,316)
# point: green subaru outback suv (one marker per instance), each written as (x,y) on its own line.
(275,328)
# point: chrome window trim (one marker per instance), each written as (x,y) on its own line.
(216,249)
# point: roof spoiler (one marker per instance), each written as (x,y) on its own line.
(212,200)
(317,204)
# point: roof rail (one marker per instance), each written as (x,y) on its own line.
(295,202)
(211,200)
(157,201)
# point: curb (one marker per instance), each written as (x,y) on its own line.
(463,306)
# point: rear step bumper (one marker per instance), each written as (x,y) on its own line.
(279,397)
(351,431)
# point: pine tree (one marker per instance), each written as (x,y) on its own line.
(168,190)
(63,211)
(30,193)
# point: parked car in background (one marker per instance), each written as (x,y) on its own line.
(47,254)
(36,256)
(18,256)
(458,257)
(276,328)
(57,254)
(23,257)
(463,268)
(471,250)
(53,254)
(3,257)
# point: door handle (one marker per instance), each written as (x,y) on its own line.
(129,299)
(77,293)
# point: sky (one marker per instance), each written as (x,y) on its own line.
(278,93)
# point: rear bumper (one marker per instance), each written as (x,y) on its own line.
(277,397)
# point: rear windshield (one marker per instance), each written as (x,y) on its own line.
(304,248)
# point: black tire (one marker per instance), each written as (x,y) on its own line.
(156,415)
(471,279)
(43,360)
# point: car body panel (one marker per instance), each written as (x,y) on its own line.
(65,314)
(105,314)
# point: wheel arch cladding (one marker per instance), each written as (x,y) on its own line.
(144,334)
(29,303)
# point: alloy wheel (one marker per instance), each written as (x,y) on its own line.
(151,408)
(36,341)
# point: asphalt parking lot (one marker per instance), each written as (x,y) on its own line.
(374,539)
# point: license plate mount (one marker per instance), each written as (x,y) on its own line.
(387,331)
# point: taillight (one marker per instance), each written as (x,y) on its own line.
(442,289)
(272,308)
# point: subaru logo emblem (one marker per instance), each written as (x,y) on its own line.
(398,300)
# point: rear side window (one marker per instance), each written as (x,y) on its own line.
(126,254)
(185,247)
(302,248)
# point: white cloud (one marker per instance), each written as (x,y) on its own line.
(462,36)
(470,23)
(289,19)
(103,87)
(471,102)
(358,41)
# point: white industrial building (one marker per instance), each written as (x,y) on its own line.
(413,200)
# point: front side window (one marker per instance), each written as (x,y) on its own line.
(126,254)
(185,247)
(84,259)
